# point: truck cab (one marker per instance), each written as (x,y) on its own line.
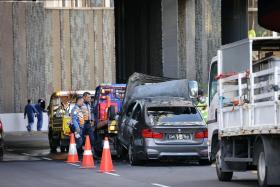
(213,103)
(106,106)
(243,113)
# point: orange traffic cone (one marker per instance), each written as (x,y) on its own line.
(106,164)
(72,154)
(87,157)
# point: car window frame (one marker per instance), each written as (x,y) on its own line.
(134,109)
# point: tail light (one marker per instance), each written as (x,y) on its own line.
(1,126)
(148,133)
(200,135)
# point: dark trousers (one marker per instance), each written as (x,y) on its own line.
(88,130)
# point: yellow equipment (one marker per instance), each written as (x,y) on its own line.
(59,111)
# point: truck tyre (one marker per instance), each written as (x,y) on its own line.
(131,156)
(262,170)
(52,142)
(222,176)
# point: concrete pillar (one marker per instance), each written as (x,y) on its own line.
(186,34)
(170,38)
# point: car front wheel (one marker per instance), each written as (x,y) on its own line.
(131,155)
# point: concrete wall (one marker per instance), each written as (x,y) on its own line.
(46,50)
(15,122)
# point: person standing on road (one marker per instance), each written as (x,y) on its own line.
(40,109)
(78,123)
(29,111)
(88,116)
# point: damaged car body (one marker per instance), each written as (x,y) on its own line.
(159,121)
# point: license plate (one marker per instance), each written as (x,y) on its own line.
(178,136)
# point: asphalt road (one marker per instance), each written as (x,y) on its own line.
(28,163)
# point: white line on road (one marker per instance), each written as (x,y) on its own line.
(45,158)
(160,185)
(25,154)
(74,164)
(114,174)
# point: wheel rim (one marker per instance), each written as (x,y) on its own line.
(261,167)
(218,165)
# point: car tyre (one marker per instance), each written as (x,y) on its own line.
(262,170)
(222,176)
(120,150)
(131,156)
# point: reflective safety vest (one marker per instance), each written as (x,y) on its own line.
(202,107)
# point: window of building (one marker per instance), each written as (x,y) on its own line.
(254,29)
(76,3)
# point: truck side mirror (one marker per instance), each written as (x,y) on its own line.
(111,113)
(193,89)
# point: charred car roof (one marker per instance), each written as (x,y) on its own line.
(165,101)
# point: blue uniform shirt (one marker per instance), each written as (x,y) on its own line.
(77,117)
(29,111)
(40,111)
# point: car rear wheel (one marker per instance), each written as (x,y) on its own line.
(222,176)
(131,156)
(262,170)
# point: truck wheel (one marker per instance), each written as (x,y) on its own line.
(222,176)
(52,142)
(131,156)
(262,170)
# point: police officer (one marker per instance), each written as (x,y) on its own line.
(88,116)
(78,123)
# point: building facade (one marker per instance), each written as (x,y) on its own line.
(47,48)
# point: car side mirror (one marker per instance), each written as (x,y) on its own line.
(193,89)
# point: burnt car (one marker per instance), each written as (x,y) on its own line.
(1,141)
(163,128)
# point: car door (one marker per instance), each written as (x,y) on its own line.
(123,122)
(133,122)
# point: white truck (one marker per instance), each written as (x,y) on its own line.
(244,109)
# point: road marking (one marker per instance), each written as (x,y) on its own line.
(74,164)
(45,158)
(26,154)
(114,174)
(160,185)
